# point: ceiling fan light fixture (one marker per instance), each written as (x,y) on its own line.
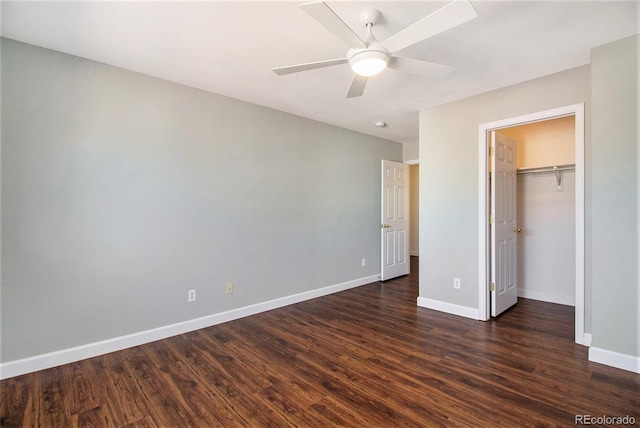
(369,62)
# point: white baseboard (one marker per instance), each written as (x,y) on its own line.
(615,359)
(65,356)
(450,308)
(547,297)
(414,253)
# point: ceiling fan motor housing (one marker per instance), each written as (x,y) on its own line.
(369,61)
(374,58)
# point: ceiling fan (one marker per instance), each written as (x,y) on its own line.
(368,57)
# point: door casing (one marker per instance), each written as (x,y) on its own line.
(576,110)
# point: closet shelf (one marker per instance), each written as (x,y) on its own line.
(568,167)
(555,170)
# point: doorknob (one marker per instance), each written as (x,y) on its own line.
(517,229)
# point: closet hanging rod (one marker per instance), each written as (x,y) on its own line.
(568,167)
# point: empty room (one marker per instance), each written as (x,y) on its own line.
(238,213)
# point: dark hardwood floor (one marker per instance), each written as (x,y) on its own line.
(367,357)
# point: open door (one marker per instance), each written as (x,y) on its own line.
(395,220)
(504,230)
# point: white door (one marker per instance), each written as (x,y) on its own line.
(504,269)
(395,219)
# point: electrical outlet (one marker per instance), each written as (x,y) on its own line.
(364,262)
(191,296)
(229,287)
(456,283)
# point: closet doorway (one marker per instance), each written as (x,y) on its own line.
(561,183)
(545,171)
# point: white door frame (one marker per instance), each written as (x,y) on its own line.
(576,110)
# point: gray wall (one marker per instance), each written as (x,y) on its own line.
(410,151)
(449,150)
(615,186)
(120,192)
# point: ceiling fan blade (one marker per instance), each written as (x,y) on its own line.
(332,22)
(357,86)
(449,16)
(420,68)
(308,66)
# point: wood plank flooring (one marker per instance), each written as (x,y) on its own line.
(367,357)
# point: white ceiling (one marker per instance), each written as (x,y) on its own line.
(229,48)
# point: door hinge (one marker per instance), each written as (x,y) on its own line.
(492,151)
(492,286)
(492,219)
